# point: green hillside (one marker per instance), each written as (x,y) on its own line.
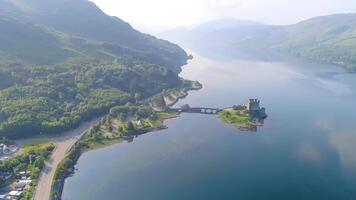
(330,39)
(77,28)
(65,61)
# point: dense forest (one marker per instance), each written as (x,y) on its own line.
(49,99)
(60,68)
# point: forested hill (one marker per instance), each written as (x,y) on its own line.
(328,39)
(51,31)
(65,61)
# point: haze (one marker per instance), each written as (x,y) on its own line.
(155,15)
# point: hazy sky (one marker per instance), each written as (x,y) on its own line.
(165,14)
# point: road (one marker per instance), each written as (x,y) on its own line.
(45,181)
(63,145)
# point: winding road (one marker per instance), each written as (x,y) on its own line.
(63,145)
(45,181)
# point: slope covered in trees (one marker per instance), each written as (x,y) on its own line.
(50,31)
(65,61)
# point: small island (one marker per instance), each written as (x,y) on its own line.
(246,117)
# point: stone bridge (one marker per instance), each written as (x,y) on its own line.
(200,110)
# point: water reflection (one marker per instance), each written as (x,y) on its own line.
(131,136)
(200,157)
(310,153)
(253,126)
(325,76)
(343,139)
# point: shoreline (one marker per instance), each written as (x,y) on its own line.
(119,140)
(63,145)
(78,150)
(184,93)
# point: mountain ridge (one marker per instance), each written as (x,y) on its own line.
(82,19)
(327,39)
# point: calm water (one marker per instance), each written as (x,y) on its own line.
(306,149)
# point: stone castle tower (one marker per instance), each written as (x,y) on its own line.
(253,105)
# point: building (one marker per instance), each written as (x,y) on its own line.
(28,181)
(15,194)
(253,105)
(139,123)
(19,186)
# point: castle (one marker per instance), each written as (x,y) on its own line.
(252,105)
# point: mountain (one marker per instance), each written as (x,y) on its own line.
(329,39)
(215,31)
(66,61)
(60,30)
(224,23)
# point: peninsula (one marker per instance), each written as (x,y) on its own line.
(123,123)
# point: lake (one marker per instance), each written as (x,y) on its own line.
(305,150)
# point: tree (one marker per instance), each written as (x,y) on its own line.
(121,129)
(130,126)
(122,117)
(39,162)
(133,86)
(2,181)
(160,102)
(110,128)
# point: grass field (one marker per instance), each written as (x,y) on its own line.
(236,117)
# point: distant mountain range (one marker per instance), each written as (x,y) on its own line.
(329,39)
(54,31)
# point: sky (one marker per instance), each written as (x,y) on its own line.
(160,15)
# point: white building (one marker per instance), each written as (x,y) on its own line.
(15,194)
(25,181)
